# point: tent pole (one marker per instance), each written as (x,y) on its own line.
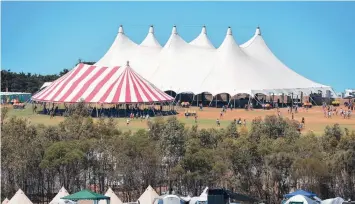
(234,102)
(210,102)
(228,102)
(97,110)
(192,99)
(197,101)
(216,100)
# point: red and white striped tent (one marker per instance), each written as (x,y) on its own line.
(104,85)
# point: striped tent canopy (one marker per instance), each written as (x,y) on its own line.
(104,85)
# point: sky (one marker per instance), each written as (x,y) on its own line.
(316,39)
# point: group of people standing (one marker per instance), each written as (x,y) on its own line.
(330,111)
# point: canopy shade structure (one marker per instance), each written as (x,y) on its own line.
(20,197)
(148,196)
(113,197)
(104,85)
(198,66)
(85,195)
(300,192)
(62,192)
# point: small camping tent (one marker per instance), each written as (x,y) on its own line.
(300,199)
(148,196)
(113,197)
(301,192)
(336,200)
(19,197)
(62,192)
(5,201)
(169,199)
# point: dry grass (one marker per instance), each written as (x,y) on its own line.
(315,121)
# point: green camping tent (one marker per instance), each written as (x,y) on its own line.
(87,195)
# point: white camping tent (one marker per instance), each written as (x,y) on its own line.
(200,67)
(5,201)
(336,200)
(57,199)
(113,197)
(148,196)
(19,197)
(301,199)
(168,199)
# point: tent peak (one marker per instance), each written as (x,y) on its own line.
(120,29)
(258,31)
(229,31)
(127,64)
(151,29)
(174,31)
(204,31)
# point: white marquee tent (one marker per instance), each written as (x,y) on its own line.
(20,197)
(113,198)
(148,196)
(198,66)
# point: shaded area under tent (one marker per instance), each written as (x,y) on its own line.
(242,100)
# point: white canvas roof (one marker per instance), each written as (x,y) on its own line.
(62,192)
(301,198)
(199,67)
(20,197)
(148,196)
(113,198)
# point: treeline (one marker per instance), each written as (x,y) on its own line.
(27,82)
(266,161)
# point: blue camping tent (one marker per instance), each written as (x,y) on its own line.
(300,192)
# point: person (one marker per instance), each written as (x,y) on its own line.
(201,106)
(35,109)
(127,121)
(221,114)
(218,123)
(292,116)
(239,121)
(303,122)
(195,118)
(231,106)
(296,109)
(329,114)
(288,109)
(245,123)
(235,121)
(279,113)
